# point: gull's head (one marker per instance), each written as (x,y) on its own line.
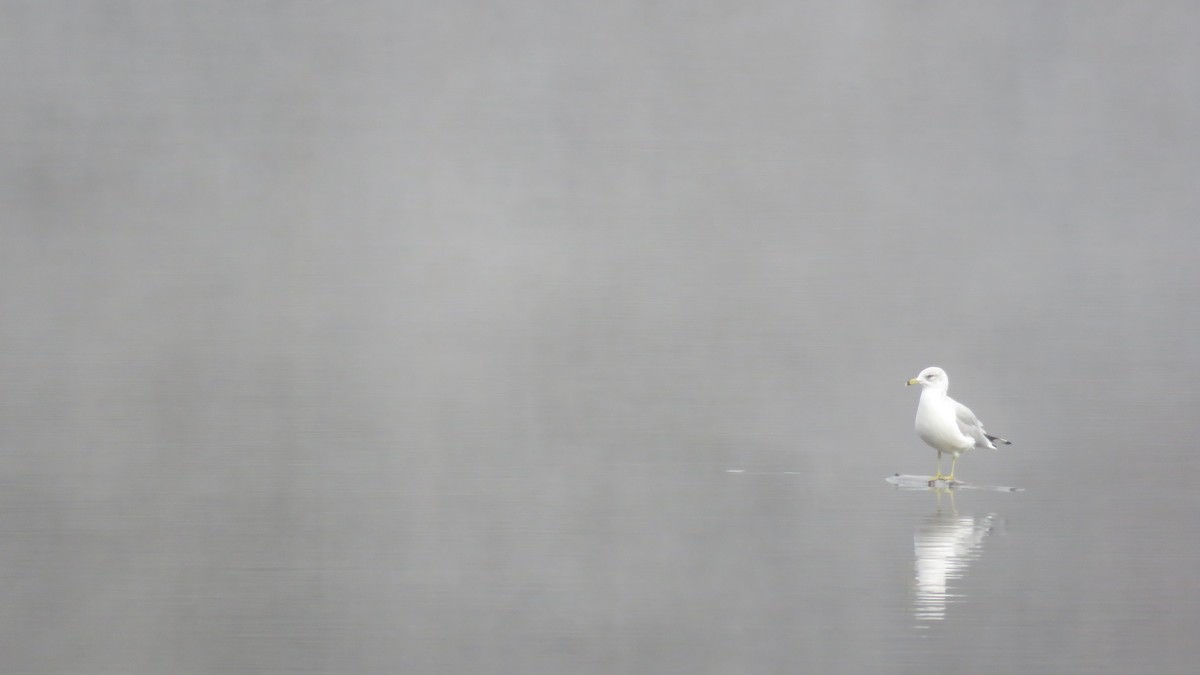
(932,377)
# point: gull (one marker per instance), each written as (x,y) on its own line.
(945,424)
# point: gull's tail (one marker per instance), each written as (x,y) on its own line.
(997,439)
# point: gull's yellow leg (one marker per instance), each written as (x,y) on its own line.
(951,476)
(939,475)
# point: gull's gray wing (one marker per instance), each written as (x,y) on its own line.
(971,427)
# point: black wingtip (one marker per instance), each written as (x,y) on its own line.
(997,439)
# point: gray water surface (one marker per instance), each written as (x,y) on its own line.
(396,338)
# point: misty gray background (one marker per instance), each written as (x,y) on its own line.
(423,337)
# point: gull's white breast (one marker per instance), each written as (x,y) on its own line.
(937,425)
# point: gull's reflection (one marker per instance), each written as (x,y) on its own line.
(945,545)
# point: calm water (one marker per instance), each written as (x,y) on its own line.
(456,340)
